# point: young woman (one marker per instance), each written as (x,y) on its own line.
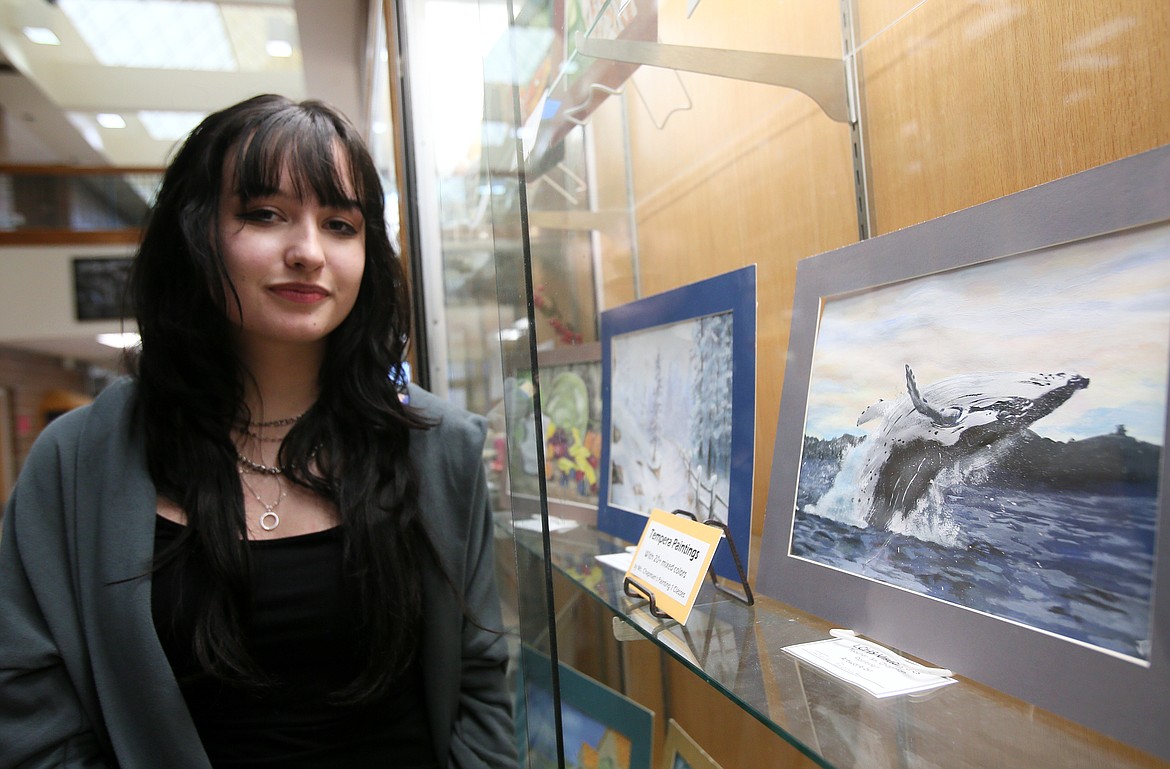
(257,551)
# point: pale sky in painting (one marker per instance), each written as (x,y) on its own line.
(1098,307)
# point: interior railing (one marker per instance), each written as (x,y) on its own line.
(42,205)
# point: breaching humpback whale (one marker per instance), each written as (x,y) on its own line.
(924,432)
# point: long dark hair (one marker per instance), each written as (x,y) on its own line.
(352,445)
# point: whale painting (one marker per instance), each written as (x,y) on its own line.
(991,437)
(960,422)
(970,463)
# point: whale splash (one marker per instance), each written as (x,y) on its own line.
(933,437)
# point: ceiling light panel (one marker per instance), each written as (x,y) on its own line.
(281,49)
(169,125)
(155,34)
(254,29)
(111,120)
(41,36)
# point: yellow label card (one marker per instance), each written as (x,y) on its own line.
(672,559)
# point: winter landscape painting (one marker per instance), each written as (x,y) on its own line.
(992,437)
(670,434)
(678,378)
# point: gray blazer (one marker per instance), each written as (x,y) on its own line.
(84,681)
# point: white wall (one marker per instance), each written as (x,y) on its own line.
(333,43)
(36,300)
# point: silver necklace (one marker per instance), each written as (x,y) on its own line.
(256,428)
(279,422)
(264,438)
(250,429)
(257,467)
(269,520)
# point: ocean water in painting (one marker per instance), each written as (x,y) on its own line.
(1076,563)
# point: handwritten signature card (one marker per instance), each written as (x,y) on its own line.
(881,672)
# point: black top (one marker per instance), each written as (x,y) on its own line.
(300,633)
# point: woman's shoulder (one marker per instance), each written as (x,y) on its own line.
(109,408)
(445,416)
(454,432)
(99,431)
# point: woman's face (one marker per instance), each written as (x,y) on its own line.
(295,264)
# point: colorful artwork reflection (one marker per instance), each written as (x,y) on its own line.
(570,382)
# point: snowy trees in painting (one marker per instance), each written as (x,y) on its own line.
(671,426)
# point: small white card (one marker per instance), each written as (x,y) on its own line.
(672,559)
(554,524)
(876,669)
(620,561)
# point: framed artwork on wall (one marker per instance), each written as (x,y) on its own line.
(970,462)
(678,409)
(600,726)
(99,287)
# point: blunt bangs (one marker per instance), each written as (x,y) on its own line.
(310,148)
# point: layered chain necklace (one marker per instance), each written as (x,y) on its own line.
(269,519)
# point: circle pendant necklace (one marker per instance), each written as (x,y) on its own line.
(269,519)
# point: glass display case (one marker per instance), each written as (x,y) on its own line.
(631,148)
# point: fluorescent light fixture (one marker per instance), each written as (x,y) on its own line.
(110,120)
(41,35)
(121,341)
(279,49)
(153,34)
(169,125)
